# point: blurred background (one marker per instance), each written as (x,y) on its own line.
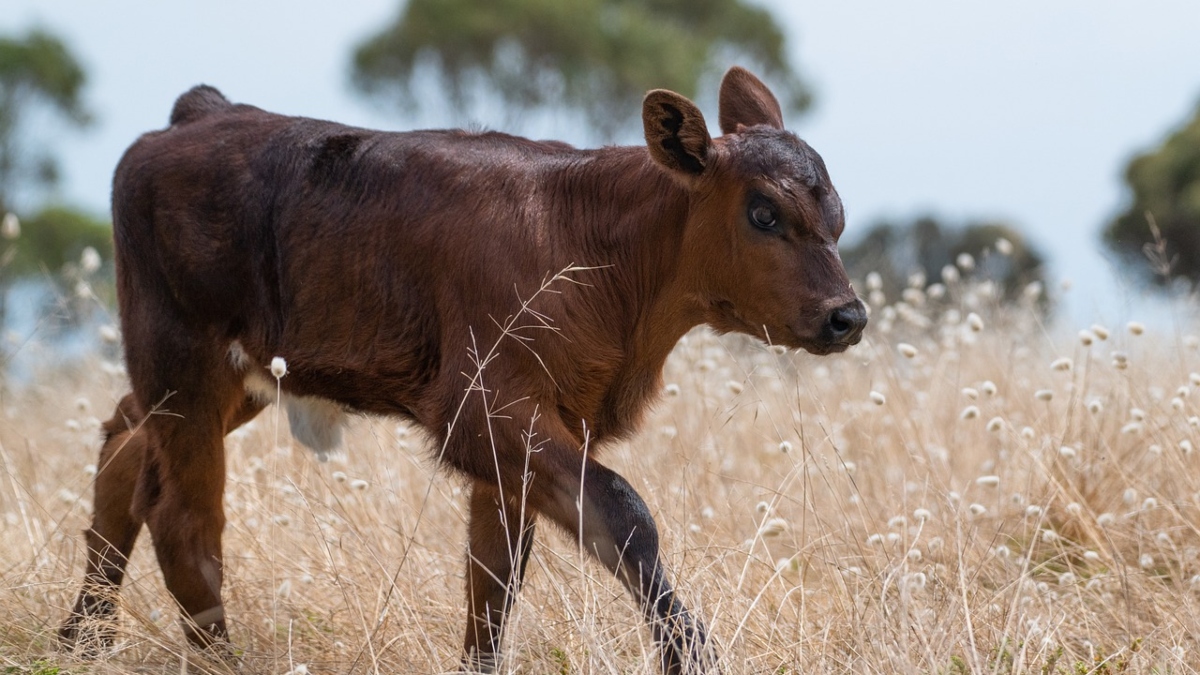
(1047,142)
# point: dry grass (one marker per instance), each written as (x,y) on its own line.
(952,521)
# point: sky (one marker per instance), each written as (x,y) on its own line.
(1025,111)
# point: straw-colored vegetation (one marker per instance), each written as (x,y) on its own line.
(966,491)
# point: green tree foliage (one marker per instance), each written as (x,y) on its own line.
(36,71)
(924,247)
(54,238)
(1165,187)
(598,57)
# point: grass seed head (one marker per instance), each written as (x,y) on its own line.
(278,367)
(10,226)
(878,398)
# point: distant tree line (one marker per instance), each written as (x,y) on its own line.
(1158,234)
(924,246)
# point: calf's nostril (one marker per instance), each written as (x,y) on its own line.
(847,321)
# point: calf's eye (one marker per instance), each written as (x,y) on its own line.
(762,215)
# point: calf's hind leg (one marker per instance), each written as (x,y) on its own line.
(115,528)
(180,490)
(113,532)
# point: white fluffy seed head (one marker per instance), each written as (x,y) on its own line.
(965,261)
(734,386)
(773,527)
(1136,327)
(785,447)
(1067,452)
(1033,511)
(1137,414)
(1043,395)
(10,226)
(358,484)
(878,398)
(874,281)
(1091,556)
(995,424)
(1106,519)
(922,515)
(950,275)
(969,413)
(1086,337)
(970,392)
(988,481)
(988,387)
(762,507)
(672,390)
(974,322)
(1049,536)
(977,509)
(1146,561)
(1099,331)
(1028,433)
(906,350)
(278,367)
(1075,509)
(1004,246)
(1062,364)
(1095,406)
(1120,360)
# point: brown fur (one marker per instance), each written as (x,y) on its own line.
(384,267)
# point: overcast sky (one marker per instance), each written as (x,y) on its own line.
(1023,110)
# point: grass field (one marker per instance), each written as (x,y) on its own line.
(966,491)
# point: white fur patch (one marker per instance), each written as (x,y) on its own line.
(316,422)
(238,357)
(259,388)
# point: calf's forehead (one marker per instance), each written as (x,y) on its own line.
(776,157)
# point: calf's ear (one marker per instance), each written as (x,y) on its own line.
(746,101)
(676,133)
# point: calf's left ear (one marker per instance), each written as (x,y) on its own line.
(676,133)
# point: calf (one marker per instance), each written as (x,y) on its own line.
(414,275)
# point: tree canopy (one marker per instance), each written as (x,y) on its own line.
(1165,194)
(925,246)
(36,70)
(597,57)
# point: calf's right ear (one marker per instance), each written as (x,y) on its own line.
(676,133)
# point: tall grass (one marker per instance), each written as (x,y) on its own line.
(966,491)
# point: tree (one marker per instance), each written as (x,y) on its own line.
(596,57)
(1165,187)
(925,246)
(36,71)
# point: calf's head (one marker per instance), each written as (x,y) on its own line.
(760,244)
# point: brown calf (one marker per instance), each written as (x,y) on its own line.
(399,274)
